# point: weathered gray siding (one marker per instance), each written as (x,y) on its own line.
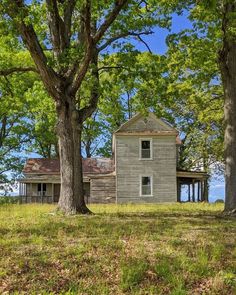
(146,124)
(162,168)
(103,190)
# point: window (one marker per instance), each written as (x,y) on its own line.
(42,189)
(145,149)
(146,186)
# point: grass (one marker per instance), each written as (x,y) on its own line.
(166,249)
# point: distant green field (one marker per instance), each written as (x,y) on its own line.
(122,249)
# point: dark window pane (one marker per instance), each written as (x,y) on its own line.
(44,187)
(146,180)
(145,149)
(39,187)
(145,144)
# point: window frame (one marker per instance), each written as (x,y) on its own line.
(141,184)
(140,148)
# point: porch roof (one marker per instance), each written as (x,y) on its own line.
(186,176)
(46,179)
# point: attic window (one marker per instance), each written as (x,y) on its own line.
(145,149)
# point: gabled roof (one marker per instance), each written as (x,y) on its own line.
(52,166)
(159,123)
(144,127)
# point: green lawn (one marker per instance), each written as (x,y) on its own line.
(122,249)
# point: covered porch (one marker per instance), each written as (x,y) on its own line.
(44,189)
(196,183)
(39,190)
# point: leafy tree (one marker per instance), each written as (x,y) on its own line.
(23,125)
(214,23)
(42,118)
(215,20)
(79,32)
(92,135)
(197,99)
(14,126)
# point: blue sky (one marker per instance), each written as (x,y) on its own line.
(157,42)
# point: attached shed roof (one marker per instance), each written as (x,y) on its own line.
(186,175)
(52,166)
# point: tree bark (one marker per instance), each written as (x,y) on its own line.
(69,133)
(88,149)
(227,60)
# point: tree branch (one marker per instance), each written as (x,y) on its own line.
(145,43)
(54,21)
(91,42)
(123,35)
(68,11)
(112,67)
(60,29)
(119,4)
(90,47)
(50,79)
(87,111)
(13,70)
(8,86)
(3,129)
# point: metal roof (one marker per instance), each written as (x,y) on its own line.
(52,166)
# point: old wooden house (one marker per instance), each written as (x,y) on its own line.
(143,169)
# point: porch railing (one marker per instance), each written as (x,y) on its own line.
(38,199)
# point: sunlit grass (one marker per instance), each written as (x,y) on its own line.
(194,208)
(121,249)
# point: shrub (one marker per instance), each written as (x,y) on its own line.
(219,201)
(9,200)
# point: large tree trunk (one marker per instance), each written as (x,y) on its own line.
(69,132)
(228,71)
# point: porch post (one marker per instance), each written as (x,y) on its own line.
(202,189)
(189,193)
(20,196)
(31,191)
(206,190)
(24,193)
(41,192)
(198,191)
(193,185)
(52,192)
(178,191)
